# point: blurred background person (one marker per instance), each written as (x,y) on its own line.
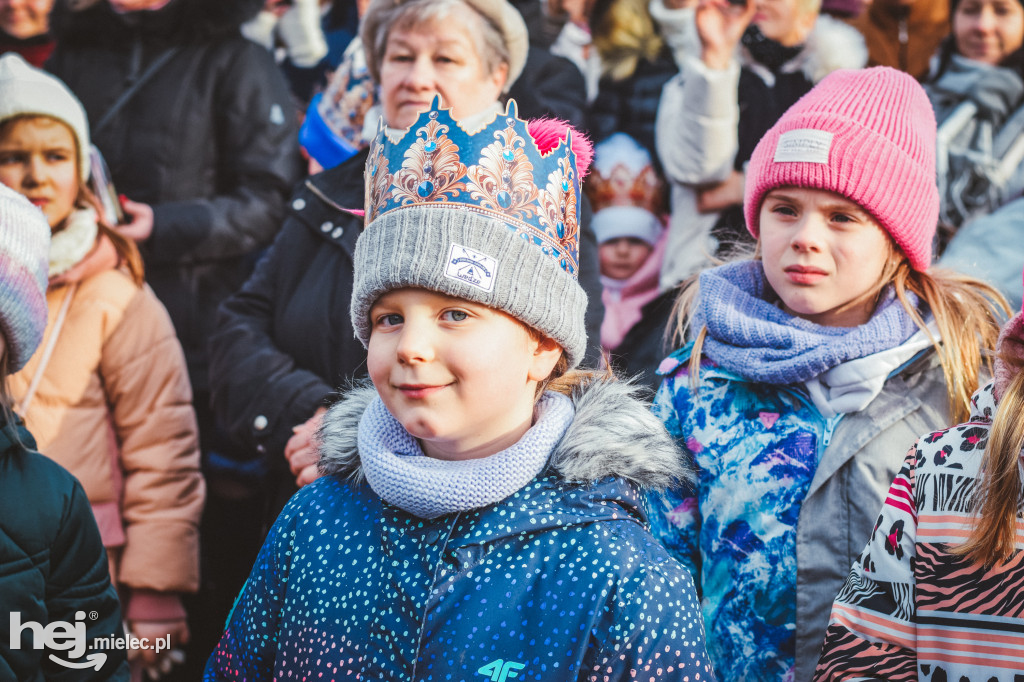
(108,396)
(755,60)
(977,90)
(25,29)
(903,34)
(198,127)
(630,205)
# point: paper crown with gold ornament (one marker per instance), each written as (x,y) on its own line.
(488,215)
(497,171)
(626,192)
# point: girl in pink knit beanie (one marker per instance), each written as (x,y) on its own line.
(808,361)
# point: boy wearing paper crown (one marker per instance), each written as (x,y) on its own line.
(480,513)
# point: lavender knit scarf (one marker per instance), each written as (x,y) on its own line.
(398,471)
(752,337)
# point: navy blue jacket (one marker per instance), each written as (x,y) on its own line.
(560,581)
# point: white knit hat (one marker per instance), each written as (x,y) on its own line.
(25,90)
(24,245)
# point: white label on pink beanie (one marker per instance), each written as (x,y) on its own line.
(470,266)
(804,146)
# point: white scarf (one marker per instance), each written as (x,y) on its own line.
(71,244)
(851,386)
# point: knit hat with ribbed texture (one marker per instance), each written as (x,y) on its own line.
(24,245)
(27,91)
(488,216)
(867,135)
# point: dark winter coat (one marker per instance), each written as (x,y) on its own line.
(550,86)
(645,345)
(285,341)
(209,141)
(630,105)
(52,565)
(560,581)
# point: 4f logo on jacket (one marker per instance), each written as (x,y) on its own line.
(501,670)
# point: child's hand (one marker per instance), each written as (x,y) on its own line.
(719,197)
(140,215)
(151,630)
(720,25)
(103,257)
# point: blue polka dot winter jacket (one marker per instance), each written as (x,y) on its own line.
(560,581)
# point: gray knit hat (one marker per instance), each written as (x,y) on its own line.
(24,247)
(488,217)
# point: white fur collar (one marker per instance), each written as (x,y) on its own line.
(831,45)
(72,243)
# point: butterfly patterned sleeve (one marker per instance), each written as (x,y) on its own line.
(675,513)
(872,632)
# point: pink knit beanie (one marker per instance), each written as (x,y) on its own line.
(867,135)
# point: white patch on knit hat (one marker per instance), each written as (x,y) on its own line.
(472,267)
(804,145)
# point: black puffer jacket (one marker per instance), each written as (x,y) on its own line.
(209,141)
(52,566)
(285,341)
(630,105)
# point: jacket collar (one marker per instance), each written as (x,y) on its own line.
(831,45)
(614,434)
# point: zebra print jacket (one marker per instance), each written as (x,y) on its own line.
(912,610)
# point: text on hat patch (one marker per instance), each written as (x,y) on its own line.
(803,145)
(470,266)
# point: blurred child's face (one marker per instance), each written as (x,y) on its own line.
(25,18)
(38,158)
(788,22)
(621,257)
(823,255)
(459,376)
(988,31)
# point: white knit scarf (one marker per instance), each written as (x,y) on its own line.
(72,243)
(399,472)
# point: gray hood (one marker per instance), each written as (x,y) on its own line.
(613,434)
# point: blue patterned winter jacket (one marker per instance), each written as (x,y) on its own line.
(784,501)
(560,581)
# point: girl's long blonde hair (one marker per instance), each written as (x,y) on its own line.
(967,313)
(127,251)
(997,500)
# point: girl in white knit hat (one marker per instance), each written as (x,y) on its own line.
(107,395)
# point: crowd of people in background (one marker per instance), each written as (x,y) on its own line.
(702,270)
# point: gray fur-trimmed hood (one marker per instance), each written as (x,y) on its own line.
(613,434)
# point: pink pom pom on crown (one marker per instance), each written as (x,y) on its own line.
(547,133)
